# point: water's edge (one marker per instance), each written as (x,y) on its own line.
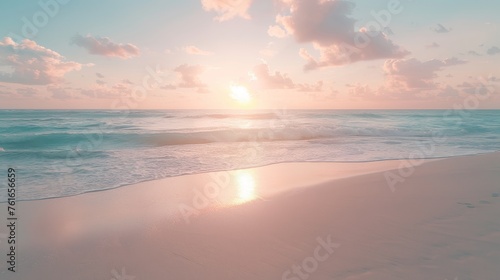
(257,166)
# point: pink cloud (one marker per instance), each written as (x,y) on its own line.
(105,47)
(59,92)
(475,87)
(196,51)
(411,79)
(413,73)
(361,91)
(33,64)
(269,50)
(304,87)
(228,9)
(264,78)
(190,76)
(106,91)
(268,80)
(276,31)
(330,27)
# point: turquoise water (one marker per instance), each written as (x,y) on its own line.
(61,153)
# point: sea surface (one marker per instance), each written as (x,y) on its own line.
(60,153)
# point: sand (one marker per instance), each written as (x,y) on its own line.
(286,221)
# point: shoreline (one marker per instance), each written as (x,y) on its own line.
(252,167)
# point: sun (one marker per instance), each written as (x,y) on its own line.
(241,94)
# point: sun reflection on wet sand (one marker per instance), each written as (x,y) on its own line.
(245,184)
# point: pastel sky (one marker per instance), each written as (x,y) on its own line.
(256,54)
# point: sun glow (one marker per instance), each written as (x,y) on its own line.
(241,94)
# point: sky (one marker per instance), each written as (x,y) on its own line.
(249,54)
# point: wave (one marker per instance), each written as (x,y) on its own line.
(55,140)
(34,128)
(279,134)
(225,136)
(55,154)
(257,116)
(365,115)
(117,140)
(128,138)
(301,132)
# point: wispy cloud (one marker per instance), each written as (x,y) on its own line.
(105,47)
(196,51)
(493,50)
(228,9)
(434,45)
(441,29)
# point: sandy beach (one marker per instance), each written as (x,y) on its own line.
(283,221)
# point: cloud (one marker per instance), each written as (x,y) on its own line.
(195,51)
(276,31)
(330,27)
(99,75)
(27,92)
(264,78)
(105,47)
(433,45)
(477,87)
(268,50)
(441,29)
(32,64)
(388,30)
(325,22)
(493,50)
(453,61)
(228,9)
(415,74)
(360,91)
(105,91)
(318,87)
(493,79)
(168,87)
(59,92)
(16,91)
(190,76)
(474,53)
(267,80)
(447,91)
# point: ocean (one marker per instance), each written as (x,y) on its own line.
(60,153)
